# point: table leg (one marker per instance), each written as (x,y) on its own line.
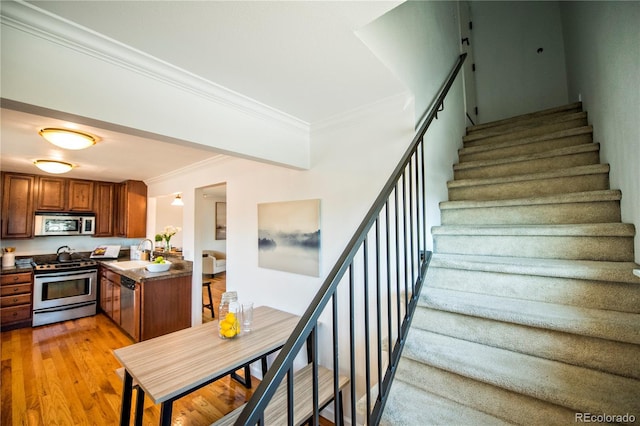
(139,406)
(246,380)
(125,407)
(165,413)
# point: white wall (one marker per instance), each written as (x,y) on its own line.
(166,215)
(511,77)
(352,159)
(418,41)
(603,65)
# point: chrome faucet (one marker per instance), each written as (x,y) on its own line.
(144,254)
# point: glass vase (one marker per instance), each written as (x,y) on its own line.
(167,245)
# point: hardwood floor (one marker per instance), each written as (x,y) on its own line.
(218,286)
(64,374)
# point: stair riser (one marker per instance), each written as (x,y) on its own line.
(530,166)
(508,125)
(615,249)
(482,396)
(537,214)
(620,297)
(599,354)
(523,149)
(530,188)
(534,131)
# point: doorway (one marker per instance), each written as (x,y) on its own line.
(210,234)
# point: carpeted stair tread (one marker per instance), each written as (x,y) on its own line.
(575,149)
(604,324)
(575,197)
(571,171)
(435,410)
(600,354)
(483,396)
(559,268)
(578,131)
(577,388)
(566,122)
(564,109)
(525,125)
(572,229)
(578,207)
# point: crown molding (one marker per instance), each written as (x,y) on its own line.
(40,23)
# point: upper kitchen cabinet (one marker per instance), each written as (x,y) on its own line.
(52,193)
(61,194)
(104,208)
(17,205)
(80,195)
(131,215)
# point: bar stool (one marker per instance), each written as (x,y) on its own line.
(207,284)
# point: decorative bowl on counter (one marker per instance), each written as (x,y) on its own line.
(158,267)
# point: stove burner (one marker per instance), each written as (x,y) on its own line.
(58,266)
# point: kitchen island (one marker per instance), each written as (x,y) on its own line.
(146,304)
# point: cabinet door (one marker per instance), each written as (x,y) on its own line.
(116,302)
(52,193)
(104,208)
(106,295)
(80,195)
(17,205)
(132,209)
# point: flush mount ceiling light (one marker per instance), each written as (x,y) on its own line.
(177,201)
(53,166)
(67,139)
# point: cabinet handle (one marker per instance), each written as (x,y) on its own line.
(16,278)
(15,314)
(15,289)
(15,299)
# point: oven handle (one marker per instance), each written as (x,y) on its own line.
(65,274)
(63,308)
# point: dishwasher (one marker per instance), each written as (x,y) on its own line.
(128,306)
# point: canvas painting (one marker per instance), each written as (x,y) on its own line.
(289,236)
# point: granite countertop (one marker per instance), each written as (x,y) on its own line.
(16,269)
(179,268)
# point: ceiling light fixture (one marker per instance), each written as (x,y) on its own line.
(177,201)
(67,139)
(53,166)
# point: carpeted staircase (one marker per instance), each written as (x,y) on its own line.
(530,312)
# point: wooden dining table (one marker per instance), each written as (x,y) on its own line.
(169,367)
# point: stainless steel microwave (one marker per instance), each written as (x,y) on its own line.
(47,223)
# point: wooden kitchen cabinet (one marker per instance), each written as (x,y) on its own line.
(131,213)
(110,294)
(16,299)
(165,306)
(148,309)
(62,194)
(17,205)
(80,197)
(104,208)
(52,194)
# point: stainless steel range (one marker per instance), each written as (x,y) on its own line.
(64,290)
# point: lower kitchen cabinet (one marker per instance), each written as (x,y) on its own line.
(165,306)
(16,300)
(146,309)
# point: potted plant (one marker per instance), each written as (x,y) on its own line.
(158,242)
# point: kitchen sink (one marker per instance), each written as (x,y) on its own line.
(130,264)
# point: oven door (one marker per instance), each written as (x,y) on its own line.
(64,288)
